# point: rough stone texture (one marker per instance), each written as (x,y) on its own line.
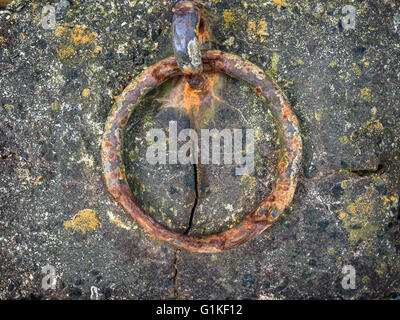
(57,87)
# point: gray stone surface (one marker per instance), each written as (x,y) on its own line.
(58,85)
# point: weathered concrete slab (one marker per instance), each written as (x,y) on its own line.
(58,85)
(333,222)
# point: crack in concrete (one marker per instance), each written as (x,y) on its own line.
(398,212)
(364,172)
(175,292)
(196,200)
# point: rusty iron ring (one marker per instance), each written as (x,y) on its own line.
(290,149)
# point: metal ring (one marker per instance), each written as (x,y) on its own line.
(290,151)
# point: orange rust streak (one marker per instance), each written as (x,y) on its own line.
(192,100)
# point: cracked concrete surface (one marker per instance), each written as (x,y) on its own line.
(58,85)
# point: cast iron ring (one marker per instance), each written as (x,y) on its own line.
(290,150)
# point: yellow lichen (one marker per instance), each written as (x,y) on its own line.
(333,63)
(365,279)
(37,180)
(9,107)
(86,92)
(280,3)
(366,94)
(55,106)
(274,62)
(257,30)
(229,18)
(342,215)
(372,125)
(84,221)
(365,233)
(389,200)
(262,28)
(321,114)
(65,52)
(80,36)
(359,215)
(381,269)
(297,61)
(366,127)
(75,36)
(362,207)
(61,31)
(96,51)
(344,140)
